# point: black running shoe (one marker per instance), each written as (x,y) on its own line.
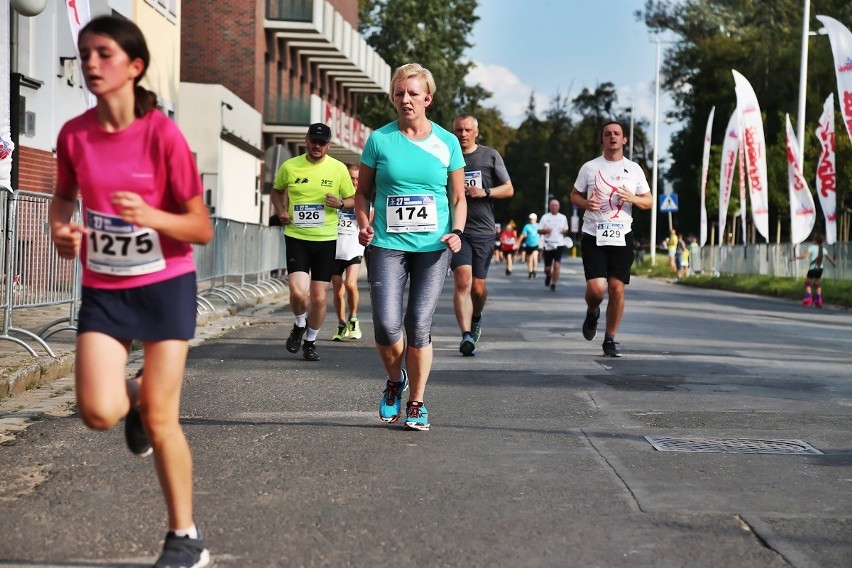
(553,287)
(546,279)
(134,432)
(309,351)
(183,552)
(590,324)
(610,348)
(295,339)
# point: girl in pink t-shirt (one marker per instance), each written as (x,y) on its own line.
(142,209)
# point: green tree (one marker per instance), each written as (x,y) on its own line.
(430,32)
(761,40)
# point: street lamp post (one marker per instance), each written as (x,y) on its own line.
(632,113)
(546,184)
(803,78)
(656,144)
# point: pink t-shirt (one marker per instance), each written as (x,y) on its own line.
(151,158)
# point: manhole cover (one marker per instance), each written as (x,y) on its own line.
(732,446)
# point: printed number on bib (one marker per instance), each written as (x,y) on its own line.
(308,215)
(412,214)
(473,179)
(119,248)
(346,224)
(610,234)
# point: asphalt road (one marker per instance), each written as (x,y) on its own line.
(537,454)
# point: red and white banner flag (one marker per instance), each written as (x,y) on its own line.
(6,145)
(802,209)
(755,153)
(826,176)
(726,170)
(743,207)
(78,16)
(841,47)
(705,165)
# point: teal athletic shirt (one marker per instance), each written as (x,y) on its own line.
(412,211)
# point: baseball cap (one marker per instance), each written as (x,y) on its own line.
(319,132)
(533,216)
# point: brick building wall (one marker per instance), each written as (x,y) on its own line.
(223,43)
(36,169)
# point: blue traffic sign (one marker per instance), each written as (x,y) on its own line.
(668,203)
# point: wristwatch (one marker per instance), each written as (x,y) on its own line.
(487,192)
(340,207)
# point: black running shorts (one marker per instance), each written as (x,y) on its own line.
(607,261)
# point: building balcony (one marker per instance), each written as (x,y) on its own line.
(330,44)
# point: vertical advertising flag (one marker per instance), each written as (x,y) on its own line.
(726,171)
(841,47)
(6,145)
(78,16)
(802,210)
(742,178)
(754,142)
(826,177)
(705,165)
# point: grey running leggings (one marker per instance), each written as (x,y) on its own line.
(389,271)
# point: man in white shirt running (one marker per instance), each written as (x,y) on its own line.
(607,188)
(553,227)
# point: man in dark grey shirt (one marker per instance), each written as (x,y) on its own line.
(485,179)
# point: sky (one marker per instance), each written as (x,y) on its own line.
(563,46)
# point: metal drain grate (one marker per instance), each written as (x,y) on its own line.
(733,446)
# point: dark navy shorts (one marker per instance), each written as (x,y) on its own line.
(814,273)
(165,310)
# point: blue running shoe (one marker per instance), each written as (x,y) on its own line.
(390,407)
(476,330)
(417,417)
(467,347)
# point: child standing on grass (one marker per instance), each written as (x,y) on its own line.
(142,209)
(816,255)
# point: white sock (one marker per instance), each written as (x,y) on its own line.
(302,320)
(191,532)
(311,334)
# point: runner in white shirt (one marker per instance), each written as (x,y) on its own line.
(607,188)
(553,227)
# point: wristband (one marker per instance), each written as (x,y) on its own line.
(457,232)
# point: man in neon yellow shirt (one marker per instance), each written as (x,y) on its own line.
(308,192)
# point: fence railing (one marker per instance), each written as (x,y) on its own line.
(240,264)
(770,259)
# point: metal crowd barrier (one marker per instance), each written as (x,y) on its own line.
(35,275)
(242,262)
(773,260)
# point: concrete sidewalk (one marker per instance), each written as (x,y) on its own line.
(31,387)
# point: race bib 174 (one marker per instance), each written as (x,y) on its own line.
(412,214)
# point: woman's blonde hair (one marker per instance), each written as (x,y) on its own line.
(412,70)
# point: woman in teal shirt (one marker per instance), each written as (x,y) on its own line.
(420,211)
